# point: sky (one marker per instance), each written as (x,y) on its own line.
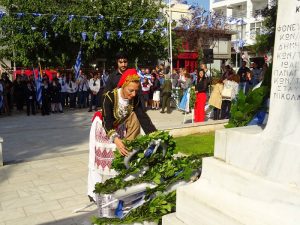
(204,3)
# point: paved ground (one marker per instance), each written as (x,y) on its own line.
(44,179)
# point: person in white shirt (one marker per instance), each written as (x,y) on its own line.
(63,90)
(72,90)
(94,85)
(83,86)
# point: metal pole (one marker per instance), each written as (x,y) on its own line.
(170,36)
(242,29)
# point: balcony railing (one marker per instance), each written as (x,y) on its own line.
(215,1)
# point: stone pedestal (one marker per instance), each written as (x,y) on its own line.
(254,176)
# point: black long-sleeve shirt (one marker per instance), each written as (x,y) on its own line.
(112,81)
(201,85)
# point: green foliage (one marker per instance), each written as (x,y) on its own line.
(24,42)
(150,211)
(245,106)
(265,42)
(192,98)
(164,171)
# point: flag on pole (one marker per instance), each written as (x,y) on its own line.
(38,84)
(77,65)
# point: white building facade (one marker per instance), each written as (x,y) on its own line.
(247,11)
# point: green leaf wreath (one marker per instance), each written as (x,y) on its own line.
(163,170)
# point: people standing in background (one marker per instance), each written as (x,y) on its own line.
(156,91)
(194,77)
(166,90)
(185,84)
(7,85)
(255,74)
(229,93)
(55,96)
(46,97)
(63,90)
(263,72)
(94,85)
(215,99)
(146,85)
(242,74)
(18,93)
(227,72)
(30,93)
(103,80)
(200,89)
(72,90)
(174,78)
(1,96)
(249,81)
(113,79)
(83,87)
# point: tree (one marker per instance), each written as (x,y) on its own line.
(265,41)
(202,29)
(53,30)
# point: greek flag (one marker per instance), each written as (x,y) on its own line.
(38,84)
(77,64)
(141,75)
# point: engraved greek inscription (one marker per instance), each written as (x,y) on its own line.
(287,28)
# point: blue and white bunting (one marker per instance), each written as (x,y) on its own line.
(241,43)
(20,15)
(84,36)
(36,14)
(107,35)
(100,17)
(144,22)
(33,28)
(95,36)
(187,27)
(70,18)
(53,18)
(2,14)
(77,64)
(45,34)
(130,22)
(120,34)
(209,22)
(240,21)
(152,31)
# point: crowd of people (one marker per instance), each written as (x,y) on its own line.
(51,94)
(158,88)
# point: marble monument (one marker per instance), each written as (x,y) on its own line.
(254,176)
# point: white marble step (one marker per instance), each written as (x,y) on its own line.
(171,219)
(227,195)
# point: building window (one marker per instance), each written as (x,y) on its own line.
(255,28)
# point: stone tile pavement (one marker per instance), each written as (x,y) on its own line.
(45,176)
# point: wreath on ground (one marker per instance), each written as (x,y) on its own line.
(151,162)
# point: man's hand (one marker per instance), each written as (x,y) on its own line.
(121,147)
